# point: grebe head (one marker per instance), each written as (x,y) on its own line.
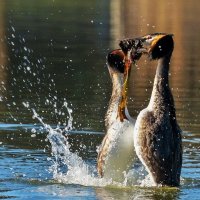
(116,62)
(157,45)
(119,65)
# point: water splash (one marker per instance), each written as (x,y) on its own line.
(67,166)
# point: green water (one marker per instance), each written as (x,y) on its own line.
(52,51)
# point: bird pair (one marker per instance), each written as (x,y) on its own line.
(154,137)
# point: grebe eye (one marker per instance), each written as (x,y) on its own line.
(148,37)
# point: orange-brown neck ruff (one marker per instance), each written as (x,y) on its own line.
(154,42)
(123,103)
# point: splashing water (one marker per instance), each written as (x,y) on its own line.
(68,167)
(78,172)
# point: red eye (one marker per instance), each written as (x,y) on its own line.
(148,37)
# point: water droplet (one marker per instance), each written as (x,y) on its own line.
(13,28)
(33,135)
(25,104)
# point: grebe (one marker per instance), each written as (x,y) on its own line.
(157,136)
(116,153)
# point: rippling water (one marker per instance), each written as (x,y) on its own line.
(53,52)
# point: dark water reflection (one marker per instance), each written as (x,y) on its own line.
(56,49)
(49,37)
(53,51)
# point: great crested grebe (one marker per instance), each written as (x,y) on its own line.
(157,136)
(116,153)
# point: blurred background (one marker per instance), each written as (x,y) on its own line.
(52,49)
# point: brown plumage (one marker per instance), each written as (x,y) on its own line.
(157,136)
(116,153)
